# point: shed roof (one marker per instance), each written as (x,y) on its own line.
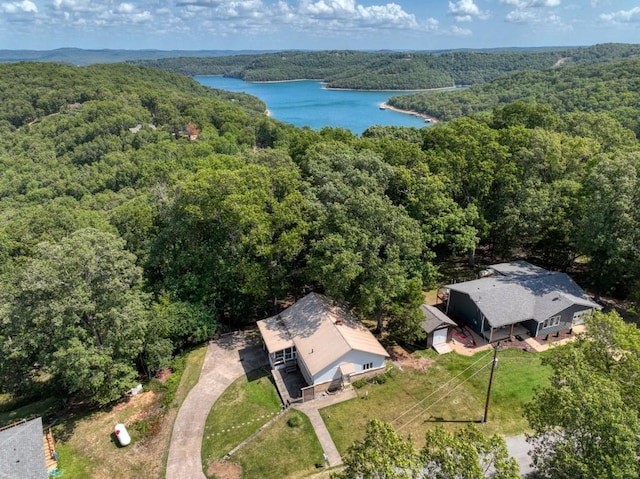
(523,293)
(22,451)
(322,331)
(434,319)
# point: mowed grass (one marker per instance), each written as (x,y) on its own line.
(86,444)
(450,392)
(43,407)
(245,406)
(281,451)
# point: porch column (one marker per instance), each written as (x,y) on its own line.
(511,330)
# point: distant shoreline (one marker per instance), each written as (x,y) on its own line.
(386,106)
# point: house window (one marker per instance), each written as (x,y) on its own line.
(278,357)
(367,366)
(552,321)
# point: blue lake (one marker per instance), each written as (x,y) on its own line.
(307,103)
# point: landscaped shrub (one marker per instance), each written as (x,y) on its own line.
(294,421)
(359,383)
(380,379)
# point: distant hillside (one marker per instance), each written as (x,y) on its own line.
(612,87)
(78,56)
(392,70)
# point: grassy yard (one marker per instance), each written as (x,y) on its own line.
(88,442)
(44,408)
(282,451)
(412,401)
(85,440)
(246,405)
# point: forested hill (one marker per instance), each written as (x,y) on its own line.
(392,70)
(30,91)
(141,213)
(83,57)
(612,87)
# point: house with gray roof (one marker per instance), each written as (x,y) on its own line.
(518,297)
(22,451)
(324,340)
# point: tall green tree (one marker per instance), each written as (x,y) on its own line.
(78,316)
(465,454)
(382,454)
(364,248)
(585,422)
(232,239)
(609,233)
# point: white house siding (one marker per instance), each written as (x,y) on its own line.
(359,358)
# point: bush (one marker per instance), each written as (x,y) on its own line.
(380,379)
(359,383)
(294,421)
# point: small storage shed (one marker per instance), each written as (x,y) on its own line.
(438,327)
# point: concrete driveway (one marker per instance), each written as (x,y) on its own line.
(225,361)
(519,448)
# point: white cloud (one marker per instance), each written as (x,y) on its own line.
(351,12)
(465,11)
(26,6)
(622,16)
(521,4)
(532,16)
(460,32)
(533,11)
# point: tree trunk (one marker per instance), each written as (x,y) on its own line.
(379,321)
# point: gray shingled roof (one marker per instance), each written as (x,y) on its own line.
(434,319)
(523,293)
(22,451)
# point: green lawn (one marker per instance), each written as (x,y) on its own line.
(281,451)
(44,407)
(412,401)
(242,409)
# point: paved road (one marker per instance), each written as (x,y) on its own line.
(226,360)
(518,448)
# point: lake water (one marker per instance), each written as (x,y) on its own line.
(307,103)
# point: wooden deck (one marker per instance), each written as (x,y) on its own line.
(50,456)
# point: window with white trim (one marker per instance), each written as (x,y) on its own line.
(367,366)
(551,322)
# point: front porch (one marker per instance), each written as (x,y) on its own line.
(289,382)
(509,331)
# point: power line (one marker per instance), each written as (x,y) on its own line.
(444,385)
(443,397)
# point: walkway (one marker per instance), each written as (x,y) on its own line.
(226,360)
(310,408)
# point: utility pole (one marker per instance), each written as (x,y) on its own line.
(493,367)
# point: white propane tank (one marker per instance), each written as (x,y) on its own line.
(121,433)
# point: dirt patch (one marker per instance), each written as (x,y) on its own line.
(402,358)
(224,470)
(163,375)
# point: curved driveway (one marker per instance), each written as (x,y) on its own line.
(226,360)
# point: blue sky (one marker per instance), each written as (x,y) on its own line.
(315,24)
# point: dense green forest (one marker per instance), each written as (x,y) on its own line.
(392,70)
(612,87)
(142,212)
